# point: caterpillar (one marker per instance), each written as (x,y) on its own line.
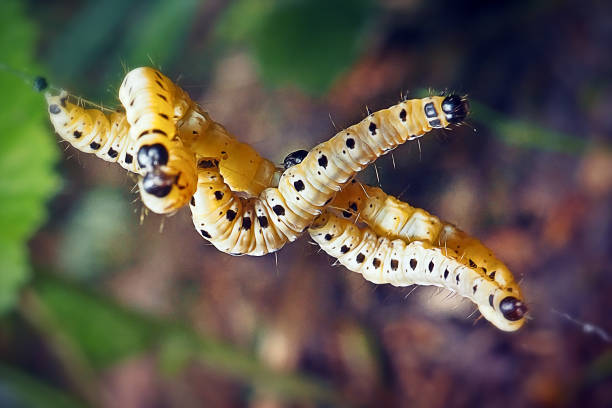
(403,263)
(92,131)
(394,219)
(263,224)
(153,105)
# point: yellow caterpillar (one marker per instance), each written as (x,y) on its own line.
(263,224)
(153,105)
(393,219)
(113,139)
(403,263)
(389,217)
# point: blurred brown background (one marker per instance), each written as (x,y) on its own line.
(131,313)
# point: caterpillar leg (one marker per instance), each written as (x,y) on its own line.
(401,263)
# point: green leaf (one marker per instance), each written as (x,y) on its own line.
(156,35)
(304,43)
(28,151)
(105,332)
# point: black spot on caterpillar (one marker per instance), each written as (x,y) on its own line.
(402,263)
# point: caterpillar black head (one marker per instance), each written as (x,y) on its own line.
(505,309)
(170,178)
(442,111)
(158,183)
(512,308)
(40,84)
(455,109)
(294,158)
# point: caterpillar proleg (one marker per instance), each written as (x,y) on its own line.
(403,263)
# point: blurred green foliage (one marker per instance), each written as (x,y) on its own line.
(111,37)
(28,152)
(307,44)
(88,321)
(105,333)
(20,390)
(525,134)
(98,235)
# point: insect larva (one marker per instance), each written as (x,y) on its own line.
(153,105)
(92,131)
(282,213)
(401,263)
(392,218)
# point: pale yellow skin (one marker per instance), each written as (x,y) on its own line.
(402,262)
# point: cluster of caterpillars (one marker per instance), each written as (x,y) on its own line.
(240,205)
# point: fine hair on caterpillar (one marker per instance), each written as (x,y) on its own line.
(403,263)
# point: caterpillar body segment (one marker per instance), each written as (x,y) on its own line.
(391,218)
(92,131)
(238,225)
(403,263)
(310,185)
(152,102)
(243,169)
